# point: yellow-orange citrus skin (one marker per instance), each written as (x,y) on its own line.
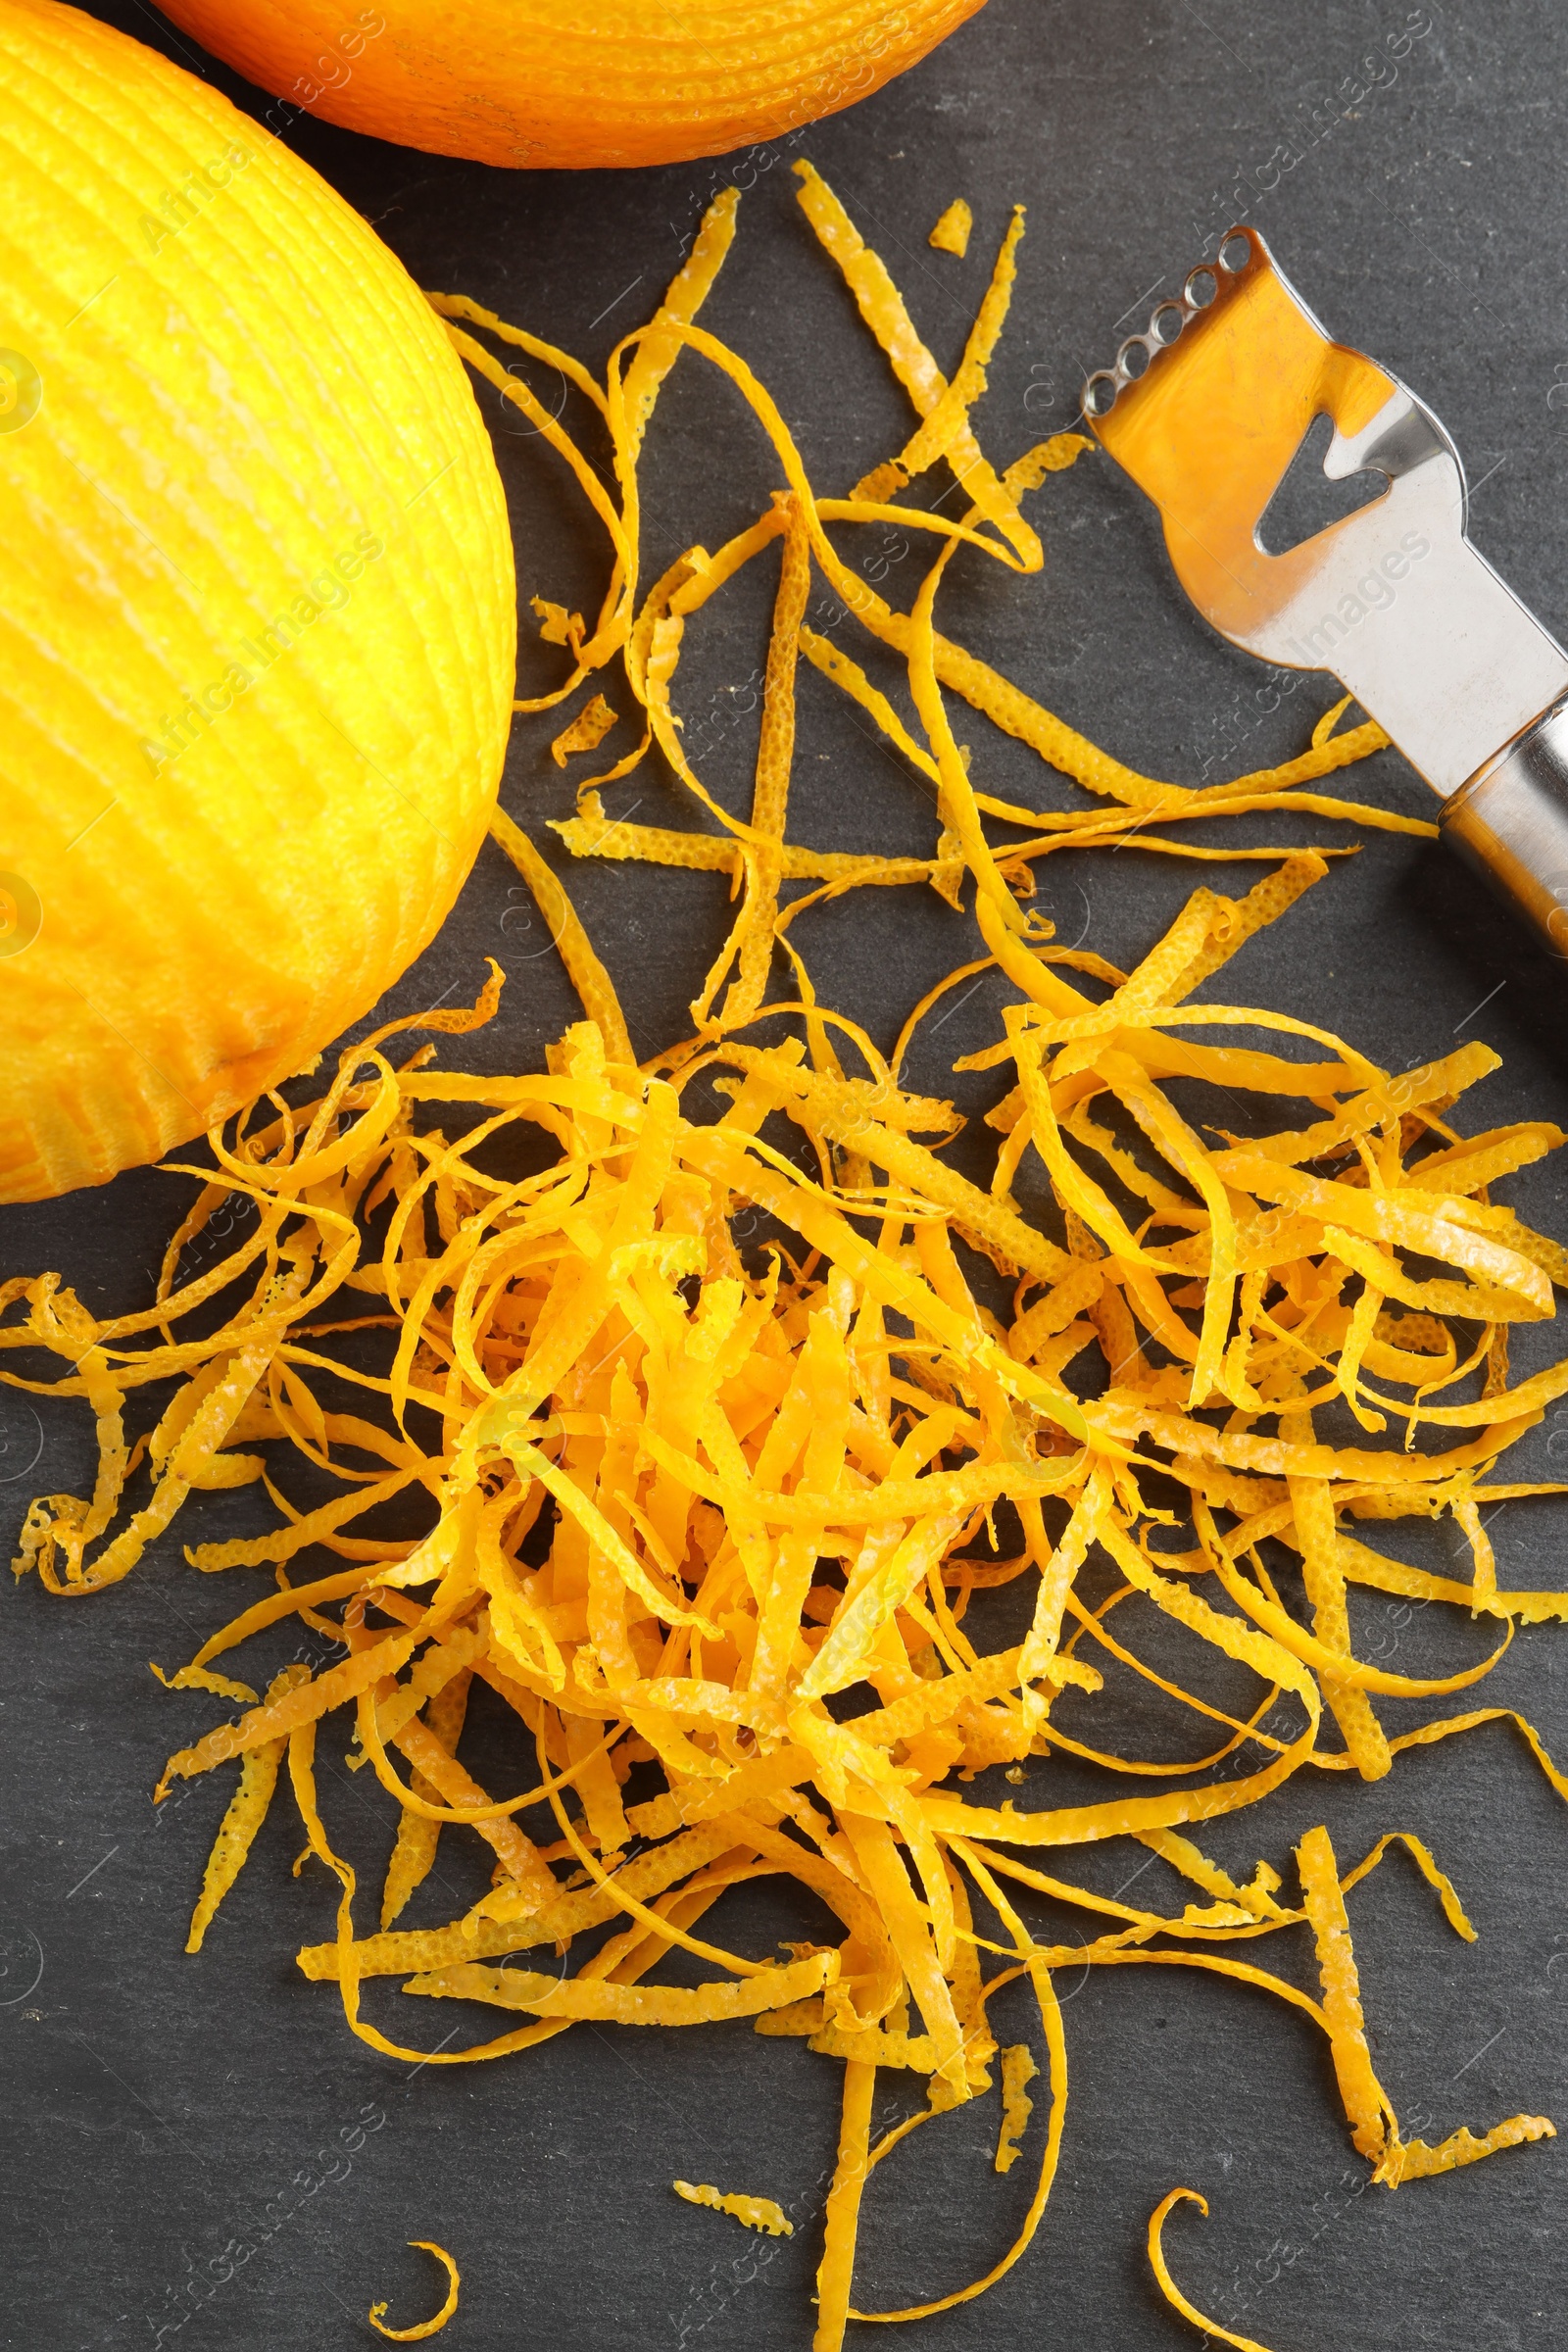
(559,84)
(257,609)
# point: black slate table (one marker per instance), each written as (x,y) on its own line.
(165,2114)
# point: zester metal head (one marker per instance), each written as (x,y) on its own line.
(1207,408)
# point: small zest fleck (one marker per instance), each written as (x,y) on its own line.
(586,732)
(951,233)
(752,2212)
(1017,2068)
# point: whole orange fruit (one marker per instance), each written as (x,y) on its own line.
(257,609)
(563,85)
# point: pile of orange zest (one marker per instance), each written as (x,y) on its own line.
(766,1486)
(426,2328)
(752,2212)
(645,626)
(729,1521)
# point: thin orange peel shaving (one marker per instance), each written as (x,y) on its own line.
(752,2212)
(426,2328)
(1018,2068)
(1211,2328)
(586,732)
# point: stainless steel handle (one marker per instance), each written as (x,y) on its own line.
(1510,824)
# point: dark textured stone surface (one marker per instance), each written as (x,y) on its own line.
(161,2109)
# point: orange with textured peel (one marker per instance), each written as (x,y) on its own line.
(561,85)
(257,610)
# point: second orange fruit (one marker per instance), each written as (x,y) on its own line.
(556,84)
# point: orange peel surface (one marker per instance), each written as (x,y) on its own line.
(534,84)
(259,608)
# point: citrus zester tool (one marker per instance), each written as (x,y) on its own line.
(1208,410)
